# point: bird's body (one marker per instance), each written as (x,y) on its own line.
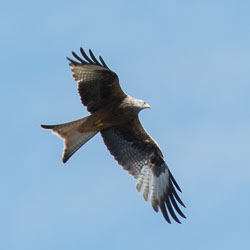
(115,115)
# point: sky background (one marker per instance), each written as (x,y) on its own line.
(190,60)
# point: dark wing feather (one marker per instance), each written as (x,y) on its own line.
(140,155)
(97,84)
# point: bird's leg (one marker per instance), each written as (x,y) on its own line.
(99,123)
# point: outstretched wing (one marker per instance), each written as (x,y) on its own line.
(97,84)
(140,155)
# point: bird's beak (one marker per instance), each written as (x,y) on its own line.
(146,106)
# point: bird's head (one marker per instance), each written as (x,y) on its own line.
(140,104)
(145,105)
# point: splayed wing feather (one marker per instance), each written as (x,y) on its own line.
(170,209)
(86,56)
(176,196)
(164,211)
(103,63)
(176,206)
(93,58)
(78,58)
(174,181)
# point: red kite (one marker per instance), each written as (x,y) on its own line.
(115,115)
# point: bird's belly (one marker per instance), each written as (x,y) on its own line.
(101,120)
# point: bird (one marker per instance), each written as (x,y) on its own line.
(115,115)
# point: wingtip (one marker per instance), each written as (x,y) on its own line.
(69,59)
(64,160)
(66,156)
(82,50)
(45,126)
(164,211)
(174,182)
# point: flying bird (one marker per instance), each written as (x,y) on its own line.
(115,115)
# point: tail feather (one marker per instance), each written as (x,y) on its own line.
(73,138)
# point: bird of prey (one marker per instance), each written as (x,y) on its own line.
(115,115)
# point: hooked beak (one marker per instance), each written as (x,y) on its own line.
(146,105)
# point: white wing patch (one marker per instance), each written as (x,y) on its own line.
(152,187)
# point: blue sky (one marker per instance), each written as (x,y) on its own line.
(190,60)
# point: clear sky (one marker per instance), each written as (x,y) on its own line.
(190,60)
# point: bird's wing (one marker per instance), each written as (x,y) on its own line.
(140,155)
(97,84)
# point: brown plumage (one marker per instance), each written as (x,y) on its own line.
(115,116)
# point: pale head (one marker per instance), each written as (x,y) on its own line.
(137,104)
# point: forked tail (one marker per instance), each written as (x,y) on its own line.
(72,136)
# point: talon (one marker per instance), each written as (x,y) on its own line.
(99,123)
